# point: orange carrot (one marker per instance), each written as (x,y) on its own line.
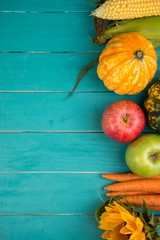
(151,200)
(121,177)
(155,208)
(117,194)
(148,185)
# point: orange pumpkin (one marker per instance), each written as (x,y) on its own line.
(128,63)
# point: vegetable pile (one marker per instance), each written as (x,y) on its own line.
(135,188)
(127,65)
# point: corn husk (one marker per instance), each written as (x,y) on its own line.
(149,27)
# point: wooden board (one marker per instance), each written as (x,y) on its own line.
(53,152)
(51,112)
(62,152)
(51,193)
(38,32)
(49,227)
(47,6)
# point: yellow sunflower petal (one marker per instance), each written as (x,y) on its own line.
(110,223)
(126,230)
(130,221)
(109,208)
(110,220)
(138,236)
(119,208)
(116,235)
(114,217)
(139,224)
(138,231)
(106,235)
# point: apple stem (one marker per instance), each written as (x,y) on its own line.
(125,119)
(154,156)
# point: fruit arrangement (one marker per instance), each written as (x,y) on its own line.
(127,65)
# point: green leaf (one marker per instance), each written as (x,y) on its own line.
(145,211)
(157,219)
(149,236)
(100,210)
(152,221)
(82,74)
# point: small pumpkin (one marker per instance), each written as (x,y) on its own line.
(152,106)
(127,63)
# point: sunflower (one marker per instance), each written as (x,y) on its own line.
(120,224)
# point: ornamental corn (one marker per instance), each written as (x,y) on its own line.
(127,9)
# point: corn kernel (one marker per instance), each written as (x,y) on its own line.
(125,9)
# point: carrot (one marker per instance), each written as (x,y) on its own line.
(148,185)
(117,194)
(121,177)
(151,200)
(155,208)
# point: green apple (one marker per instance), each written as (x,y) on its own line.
(143,155)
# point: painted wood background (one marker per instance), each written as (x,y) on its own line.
(52,152)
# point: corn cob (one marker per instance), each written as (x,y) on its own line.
(127,9)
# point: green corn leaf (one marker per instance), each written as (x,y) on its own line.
(149,27)
(82,74)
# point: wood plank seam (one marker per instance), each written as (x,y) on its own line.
(57,131)
(45,12)
(53,172)
(50,52)
(47,214)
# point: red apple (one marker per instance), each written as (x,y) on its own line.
(123,121)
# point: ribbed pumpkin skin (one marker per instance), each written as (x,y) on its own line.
(152,106)
(120,68)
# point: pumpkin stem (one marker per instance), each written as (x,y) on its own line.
(139,54)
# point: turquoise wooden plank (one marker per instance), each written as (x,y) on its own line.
(50,111)
(43,72)
(81,152)
(51,193)
(55,32)
(47,6)
(49,227)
